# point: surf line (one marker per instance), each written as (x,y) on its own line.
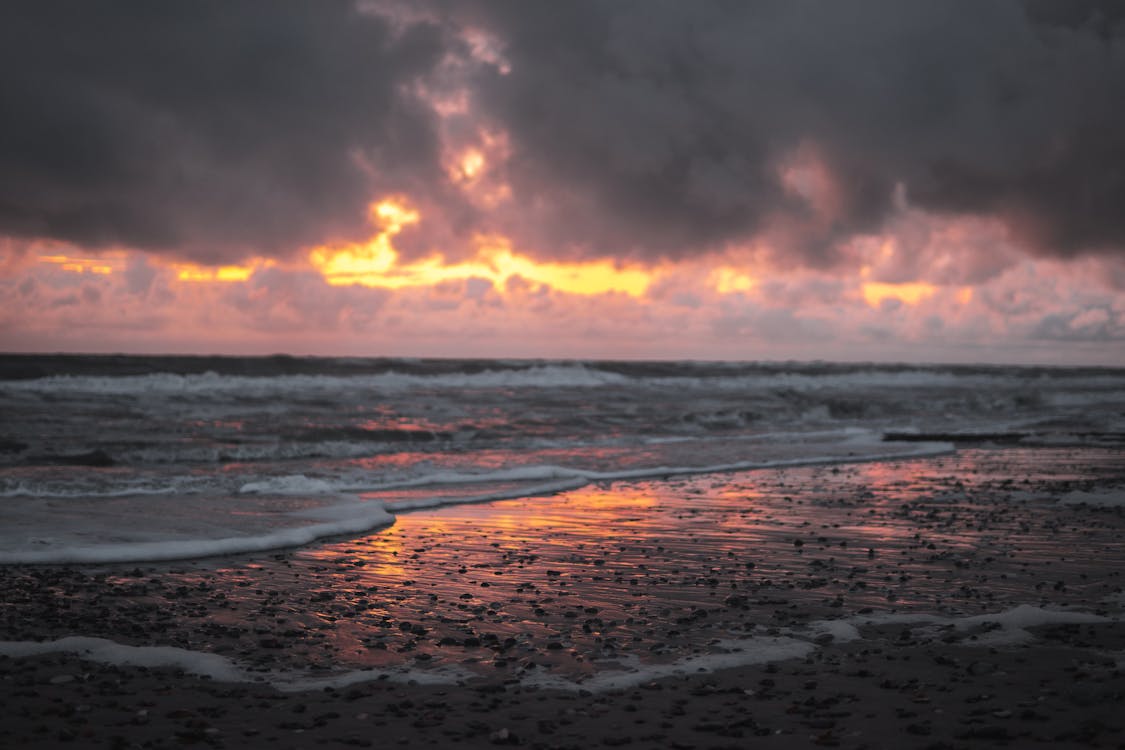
(353,516)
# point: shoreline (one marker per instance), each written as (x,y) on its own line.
(918,595)
(358,511)
(886,692)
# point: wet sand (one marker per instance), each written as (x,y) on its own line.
(609,579)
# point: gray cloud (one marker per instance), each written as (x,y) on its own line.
(655,127)
(638,128)
(211,129)
(1094,324)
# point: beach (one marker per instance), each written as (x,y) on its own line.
(560,375)
(968,600)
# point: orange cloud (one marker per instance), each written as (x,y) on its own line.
(469,166)
(911,293)
(189,272)
(115,261)
(100,266)
(375,263)
(729,281)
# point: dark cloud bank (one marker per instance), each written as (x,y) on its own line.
(218,129)
(208,128)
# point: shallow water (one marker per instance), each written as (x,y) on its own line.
(144,458)
(619,575)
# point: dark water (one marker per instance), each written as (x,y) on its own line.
(113,455)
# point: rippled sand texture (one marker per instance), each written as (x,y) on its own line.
(967,601)
(616,577)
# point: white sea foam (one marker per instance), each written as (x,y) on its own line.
(72,489)
(211,384)
(1011,628)
(359,518)
(547,488)
(106,651)
(216,667)
(208,528)
(1028,616)
(573,375)
(343,515)
(294,484)
(549,472)
(735,653)
(842,631)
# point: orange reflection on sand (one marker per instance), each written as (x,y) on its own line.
(382,554)
(405,424)
(620,497)
(599,512)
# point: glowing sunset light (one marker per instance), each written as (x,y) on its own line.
(395,214)
(100,266)
(481,189)
(222,273)
(469,169)
(375,263)
(366,263)
(471,164)
(729,281)
(587,277)
(355,264)
(911,293)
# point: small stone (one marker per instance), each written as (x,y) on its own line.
(978,668)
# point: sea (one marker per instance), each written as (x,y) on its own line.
(122,459)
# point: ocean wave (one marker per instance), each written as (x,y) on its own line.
(212,384)
(550,472)
(567,375)
(61,490)
(349,515)
(359,518)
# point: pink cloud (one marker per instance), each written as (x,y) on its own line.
(1028,311)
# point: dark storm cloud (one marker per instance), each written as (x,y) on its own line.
(657,126)
(637,128)
(211,129)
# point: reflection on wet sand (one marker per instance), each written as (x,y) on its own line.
(616,574)
(662,569)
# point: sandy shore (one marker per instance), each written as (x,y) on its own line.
(883,576)
(886,692)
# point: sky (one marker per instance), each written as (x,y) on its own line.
(769,180)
